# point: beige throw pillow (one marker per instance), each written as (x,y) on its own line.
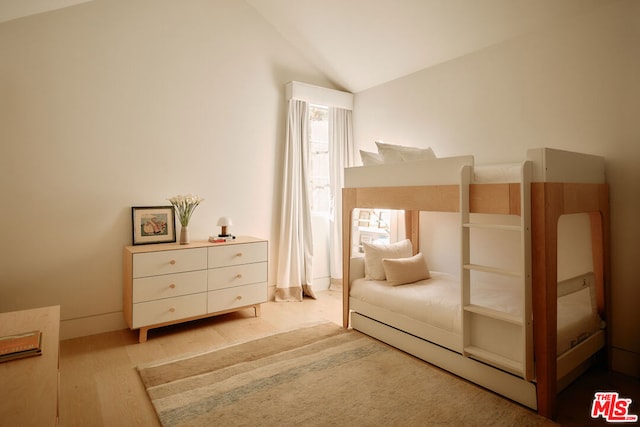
(375,253)
(401,271)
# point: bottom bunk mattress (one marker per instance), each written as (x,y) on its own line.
(434,306)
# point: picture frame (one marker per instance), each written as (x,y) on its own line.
(153,224)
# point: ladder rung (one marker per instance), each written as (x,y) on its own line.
(493,226)
(495,270)
(494,314)
(505,363)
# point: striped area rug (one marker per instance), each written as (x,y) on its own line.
(322,375)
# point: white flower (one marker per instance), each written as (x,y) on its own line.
(184,206)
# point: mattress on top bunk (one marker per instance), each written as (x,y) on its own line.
(436,301)
(548,165)
(499,173)
(440,171)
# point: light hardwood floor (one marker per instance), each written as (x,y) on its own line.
(99,385)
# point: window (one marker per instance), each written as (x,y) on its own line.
(372,226)
(319,159)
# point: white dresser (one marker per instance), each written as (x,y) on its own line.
(171,283)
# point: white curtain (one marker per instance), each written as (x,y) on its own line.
(296,242)
(341,155)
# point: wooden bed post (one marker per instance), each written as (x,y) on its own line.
(348,204)
(600,241)
(600,247)
(548,202)
(597,248)
(546,208)
(412,229)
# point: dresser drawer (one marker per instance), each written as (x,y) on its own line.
(169,310)
(230,298)
(243,253)
(169,285)
(245,274)
(167,262)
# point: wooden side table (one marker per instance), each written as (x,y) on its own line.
(29,391)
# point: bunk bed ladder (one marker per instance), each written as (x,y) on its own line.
(481,339)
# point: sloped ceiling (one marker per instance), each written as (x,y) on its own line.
(13,9)
(363,43)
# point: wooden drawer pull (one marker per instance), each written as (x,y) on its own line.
(172,310)
(239,276)
(239,254)
(172,286)
(239,297)
(172,262)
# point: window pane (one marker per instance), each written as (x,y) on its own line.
(319,158)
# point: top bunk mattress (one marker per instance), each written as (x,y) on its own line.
(548,165)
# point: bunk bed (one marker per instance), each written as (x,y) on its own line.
(515,340)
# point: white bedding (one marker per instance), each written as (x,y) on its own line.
(436,302)
(548,165)
(499,173)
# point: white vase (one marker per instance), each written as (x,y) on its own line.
(184,235)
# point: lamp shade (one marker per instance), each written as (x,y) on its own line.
(224,221)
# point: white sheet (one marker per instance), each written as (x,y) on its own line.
(498,173)
(436,301)
(548,165)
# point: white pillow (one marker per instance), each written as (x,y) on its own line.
(401,271)
(375,253)
(369,159)
(397,153)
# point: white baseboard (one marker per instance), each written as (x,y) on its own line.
(92,325)
(625,362)
(321,283)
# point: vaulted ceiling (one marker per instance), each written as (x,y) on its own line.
(12,9)
(363,43)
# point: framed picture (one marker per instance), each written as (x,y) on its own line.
(153,224)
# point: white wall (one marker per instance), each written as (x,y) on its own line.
(112,104)
(573,86)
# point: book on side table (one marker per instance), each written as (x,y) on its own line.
(17,346)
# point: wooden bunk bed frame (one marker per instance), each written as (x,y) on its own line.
(549,201)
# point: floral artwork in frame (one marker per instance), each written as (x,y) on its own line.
(153,224)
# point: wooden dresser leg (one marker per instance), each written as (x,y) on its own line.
(143,335)
(258,310)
